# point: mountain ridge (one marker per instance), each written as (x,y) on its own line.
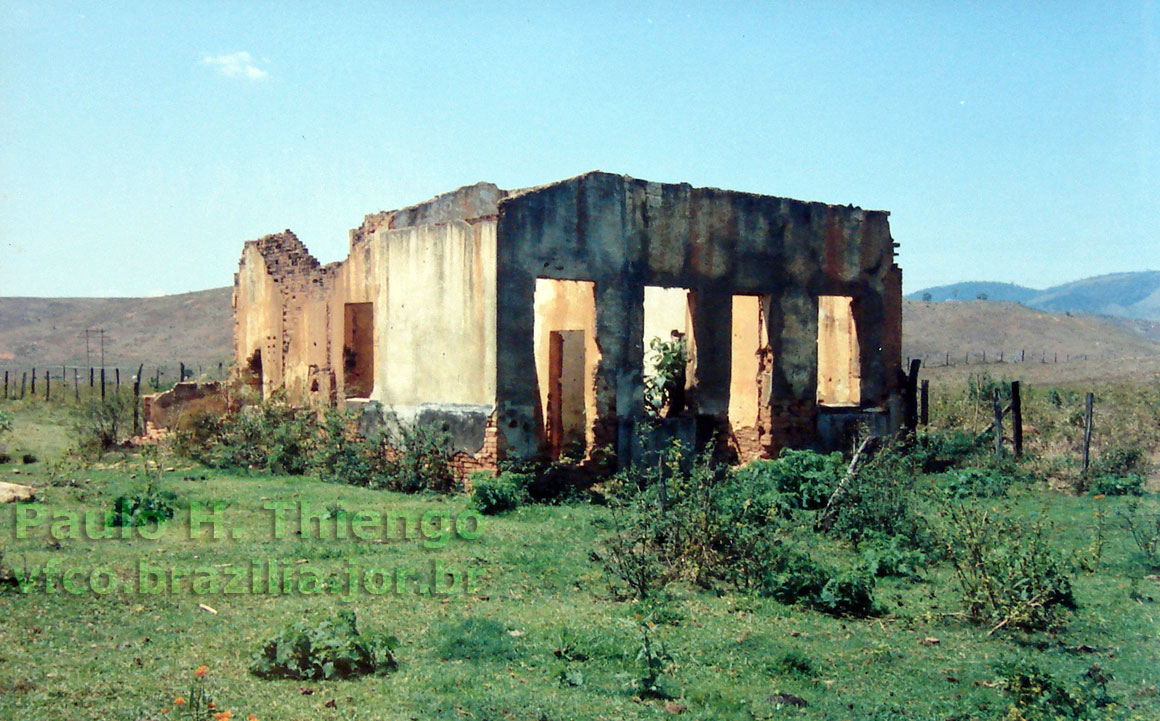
(1121,295)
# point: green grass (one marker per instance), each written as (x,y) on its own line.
(540,637)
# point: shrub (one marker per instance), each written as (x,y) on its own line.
(795,578)
(937,451)
(1036,695)
(331,649)
(271,435)
(975,483)
(342,455)
(664,388)
(1128,485)
(1144,530)
(5,421)
(1006,572)
(889,556)
(1122,461)
(805,478)
(139,509)
(100,423)
(415,457)
(882,501)
(689,517)
(850,593)
(497,494)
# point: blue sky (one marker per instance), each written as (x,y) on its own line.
(144,142)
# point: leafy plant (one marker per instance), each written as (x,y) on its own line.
(1144,530)
(342,455)
(805,478)
(332,649)
(100,422)
(1006,571)
(975,483)
(1128,485)
(271,435)
(795,578)
(664,388)
(1122,461)
(882,500)
(498,494)
(1036,695)
(889,556)
(654,660)
(416,457)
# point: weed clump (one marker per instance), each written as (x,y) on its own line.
(100,422)
(278,437)
(693,519)
(498,494)
(332,649)
(1007,574)
(804,479)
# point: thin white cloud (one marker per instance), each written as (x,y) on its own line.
(235,65)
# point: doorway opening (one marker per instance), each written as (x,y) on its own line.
(669,350)
(752,361)
(358,350)
(566,360)
(839,365)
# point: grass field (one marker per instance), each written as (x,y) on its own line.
(539,636)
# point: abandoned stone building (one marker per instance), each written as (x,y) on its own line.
(522,319)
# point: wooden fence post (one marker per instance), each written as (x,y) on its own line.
(1089,404)
(76,385)
(998,426)
(910,403)
(137,399)
(5,385)
(47,384)
(102,383)
(90,377)
(34,381)
(1017,418)
(924,403)
(23,381)
(117,374)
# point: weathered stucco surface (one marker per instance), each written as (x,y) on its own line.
(466,319)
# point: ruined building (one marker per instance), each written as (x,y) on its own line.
(522,319)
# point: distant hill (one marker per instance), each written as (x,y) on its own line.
(194,328)
(197,329)
(1124,295)
(1121,295)
(932,330)
(976,290)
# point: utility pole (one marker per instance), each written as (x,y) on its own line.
(101,333)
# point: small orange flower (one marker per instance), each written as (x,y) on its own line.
(224,715)
(178,701)
(201,670)
(251,717)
